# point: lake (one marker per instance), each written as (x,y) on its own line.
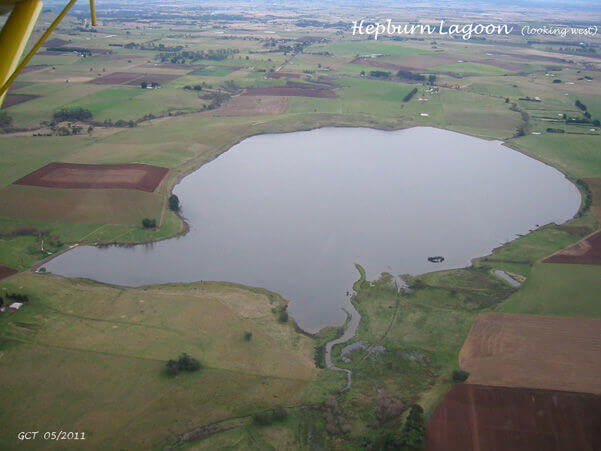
(294,212)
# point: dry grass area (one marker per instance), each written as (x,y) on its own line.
(513,350)
(94,356)
(110,206)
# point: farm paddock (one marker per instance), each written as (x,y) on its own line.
(5,272)
(550,352)
(479,417)
(137,176)
(585,252)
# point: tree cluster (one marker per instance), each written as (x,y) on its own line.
(410,95)
(460,376)
(414,430)
(149,223)
(17,297)
(270,416)
(74,114)
(173,203)
(183,363)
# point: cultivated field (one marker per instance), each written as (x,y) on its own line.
(5,272)
(585,252)
(534,351)
(141,177)
(479,417)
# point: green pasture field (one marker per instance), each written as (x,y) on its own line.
(559,289)
(94,358)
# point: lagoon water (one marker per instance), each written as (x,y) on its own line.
(293,212)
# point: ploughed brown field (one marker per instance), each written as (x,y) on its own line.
(585,252)
(480,417)
(283,75)
(172,66)
(55,42)
(137,176)
(33,68)
(409,62)
(15,99)
(294,89)
(5,272)
(514,350)
(133,78)
(251,106)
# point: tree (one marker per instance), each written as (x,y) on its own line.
(183,363)
(460,375)
(414,430)
(144,85)
(148,223)
(248,336)
(283,316)
(279,413)
(1,301)
(173,203)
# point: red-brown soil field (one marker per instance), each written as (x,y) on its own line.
(116,78)
(33,68)
(133,78)
(251,106)
(138,176)
(514,350)
(283,75)
(294,89)
(55,42)
(407,62)
(5,272)
(15,99)
(479,417)
(161,79)
(585,252)
(172,66)
(291,92)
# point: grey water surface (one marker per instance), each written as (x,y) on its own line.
(293,212)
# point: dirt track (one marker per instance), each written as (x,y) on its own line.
(138,176)
(478,417)
(549,352)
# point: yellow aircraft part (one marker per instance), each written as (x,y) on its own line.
(93,12)
(14,37)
